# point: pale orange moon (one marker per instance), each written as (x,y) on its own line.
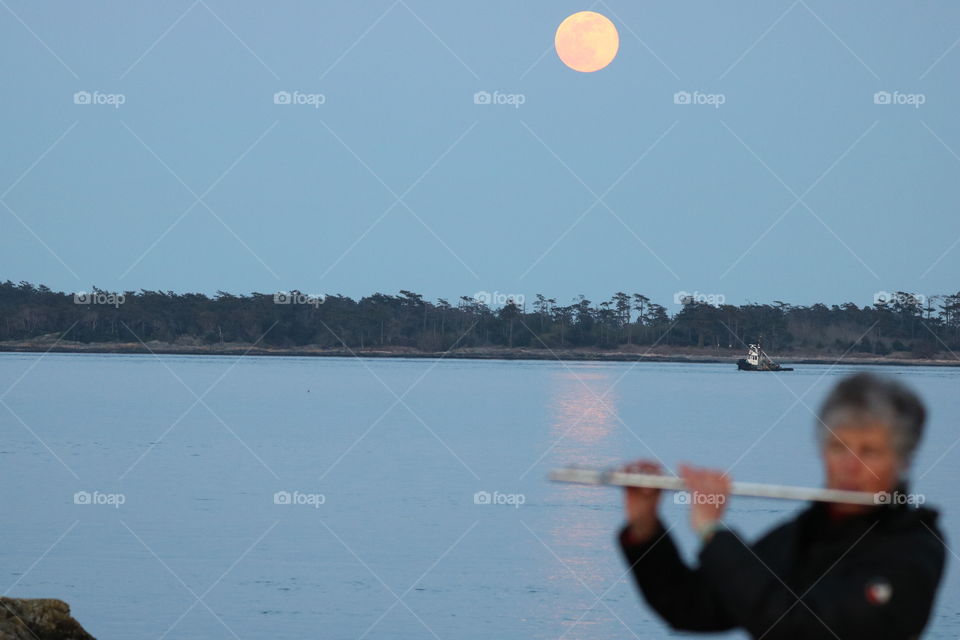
(587,41)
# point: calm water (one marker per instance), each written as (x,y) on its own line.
(386,540)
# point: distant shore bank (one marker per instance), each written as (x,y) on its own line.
(634,354)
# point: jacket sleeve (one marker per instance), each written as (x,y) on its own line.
(676,592)
(905,572)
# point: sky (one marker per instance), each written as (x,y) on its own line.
(783,177)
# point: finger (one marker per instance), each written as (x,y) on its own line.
(691,475)
(719,482)
(703,483)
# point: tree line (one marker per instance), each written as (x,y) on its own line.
(898,321)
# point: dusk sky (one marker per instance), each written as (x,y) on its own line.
(790,180)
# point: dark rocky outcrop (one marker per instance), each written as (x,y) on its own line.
(38,619)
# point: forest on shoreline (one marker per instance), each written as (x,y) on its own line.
(897,322)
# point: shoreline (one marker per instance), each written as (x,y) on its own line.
(634,354)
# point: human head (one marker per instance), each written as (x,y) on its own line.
(868,429)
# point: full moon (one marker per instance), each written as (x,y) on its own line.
(587,41)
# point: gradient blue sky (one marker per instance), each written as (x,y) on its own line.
(493,197)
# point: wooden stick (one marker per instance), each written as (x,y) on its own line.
(672,483)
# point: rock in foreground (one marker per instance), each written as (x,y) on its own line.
(38,619)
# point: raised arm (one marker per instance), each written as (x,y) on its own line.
(676,592)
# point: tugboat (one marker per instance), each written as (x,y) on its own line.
(758,360)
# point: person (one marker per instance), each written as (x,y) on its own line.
(836,571)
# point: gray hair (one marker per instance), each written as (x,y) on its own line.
(869,397)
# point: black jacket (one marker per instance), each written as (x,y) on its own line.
(868,576)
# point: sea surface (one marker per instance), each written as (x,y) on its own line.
(274,497)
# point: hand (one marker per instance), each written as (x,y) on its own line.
(709,490)
(640,503)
